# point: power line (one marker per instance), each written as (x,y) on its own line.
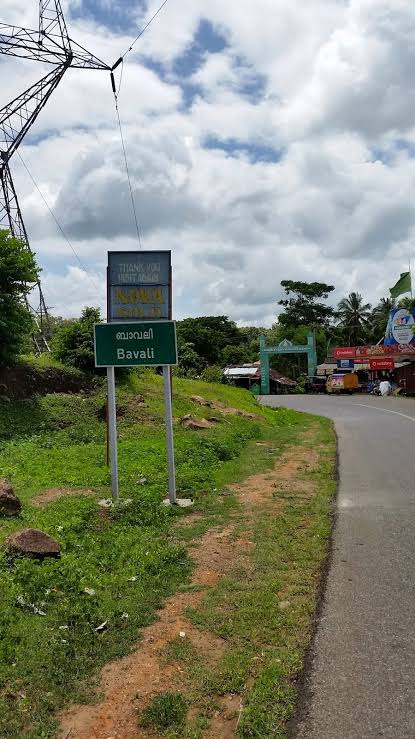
(120,82)
(144,29)
(127,170)
(116,92)
(59,225)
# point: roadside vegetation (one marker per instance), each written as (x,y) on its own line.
(61,619)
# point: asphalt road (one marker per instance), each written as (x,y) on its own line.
(362,679)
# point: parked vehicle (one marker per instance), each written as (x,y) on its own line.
(315,385)
(342,383)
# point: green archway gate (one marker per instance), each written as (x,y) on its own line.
(286,347)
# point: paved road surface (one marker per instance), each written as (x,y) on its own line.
(363,675)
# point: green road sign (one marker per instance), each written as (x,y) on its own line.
(135,344)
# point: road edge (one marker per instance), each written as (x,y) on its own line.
(303,681)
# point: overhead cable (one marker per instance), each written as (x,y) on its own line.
(127,169)
(127,51)
(94,285)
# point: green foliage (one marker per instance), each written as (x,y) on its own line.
(265,642)
(214,340)
(128,556)
(190,363)
(296,365)
(354,317)
(302,308)
(18,273)
(214,373)
(53,324)
(208,336)
(379,319)
(166,711)
(73,342)
(232,354)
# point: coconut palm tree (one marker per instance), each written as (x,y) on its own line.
(353,316)
(380,316)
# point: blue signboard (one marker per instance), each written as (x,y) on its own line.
(139,267)
(345,364)
(139,285)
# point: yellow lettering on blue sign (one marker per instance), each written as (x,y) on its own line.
(152,296)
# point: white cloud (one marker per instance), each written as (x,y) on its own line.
(327,85)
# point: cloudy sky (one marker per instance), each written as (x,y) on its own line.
(267,140)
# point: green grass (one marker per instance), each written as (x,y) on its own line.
(131,561)
(166,711)
(45,360)
(264,614)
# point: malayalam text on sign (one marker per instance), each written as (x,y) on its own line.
(145,344)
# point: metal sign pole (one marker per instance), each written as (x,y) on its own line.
(112,428)
(106,400)
(168,411)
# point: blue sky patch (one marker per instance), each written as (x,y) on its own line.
(119,17)
(206,41)
(233,147)
(388,154)
(407,146)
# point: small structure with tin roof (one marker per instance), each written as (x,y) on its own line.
(248,375)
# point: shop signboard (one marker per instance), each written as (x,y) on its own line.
(345,352)
(345,364)
(359,353)
(383,350)
(387,363)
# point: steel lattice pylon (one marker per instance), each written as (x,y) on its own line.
(50,44)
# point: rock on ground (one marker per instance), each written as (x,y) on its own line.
(200,401)
(33,543)
(10,504)
(188,422)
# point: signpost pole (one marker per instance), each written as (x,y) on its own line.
(106,401)
(168,410)
(112,428)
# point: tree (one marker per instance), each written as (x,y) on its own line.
(53,324)
(18,273)
(235,354)
(354,317)
(379,318)
(190,364)
(73,343)
(209,336)
(303,306)
(408,303)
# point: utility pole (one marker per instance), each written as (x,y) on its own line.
(50,44)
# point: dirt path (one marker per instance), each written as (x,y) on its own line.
(49,496)
(128,684)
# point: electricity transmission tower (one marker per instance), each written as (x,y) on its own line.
(52,45)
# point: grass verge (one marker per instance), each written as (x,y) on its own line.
(263,609)
(115,569)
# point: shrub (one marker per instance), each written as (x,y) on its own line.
(73,343)
(212,374)
(18,272)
